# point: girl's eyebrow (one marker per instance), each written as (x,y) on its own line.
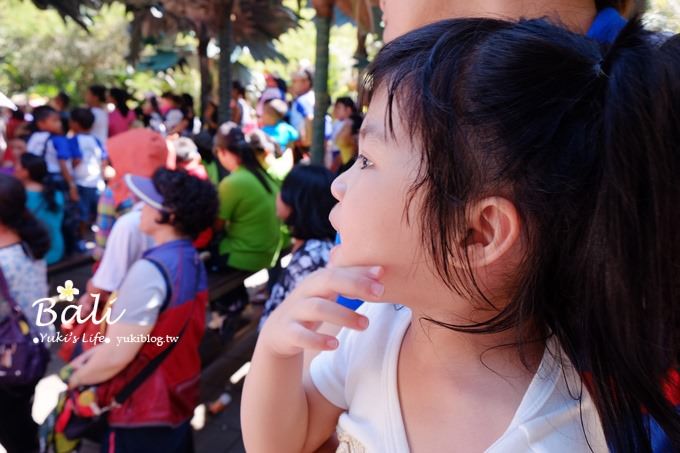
(372,130)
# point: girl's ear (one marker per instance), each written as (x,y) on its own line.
(493,229)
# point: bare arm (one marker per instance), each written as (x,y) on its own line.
(276,383)
(109,359)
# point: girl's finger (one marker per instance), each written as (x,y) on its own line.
(306,339)
(316,310)
(353,282)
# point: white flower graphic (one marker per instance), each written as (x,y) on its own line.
(67,291)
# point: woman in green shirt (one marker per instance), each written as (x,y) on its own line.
(246,216)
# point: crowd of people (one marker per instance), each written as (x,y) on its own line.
(510,219)
(144,187)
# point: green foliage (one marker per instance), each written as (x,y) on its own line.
(663,15)
(298,46)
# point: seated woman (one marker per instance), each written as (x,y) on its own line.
(304,204)
(247,216)
(46,203)
(164,294)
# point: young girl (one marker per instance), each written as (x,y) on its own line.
(304,203)
(515,201)
(46,203)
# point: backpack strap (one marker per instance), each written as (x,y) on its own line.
(153,365)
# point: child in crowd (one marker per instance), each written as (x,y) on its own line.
(344,139)
(23,244)
(273,124)
(95,98)
(517,247)
(304,204)
(46,203)
(88,174)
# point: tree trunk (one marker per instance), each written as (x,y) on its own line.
(226,42)
(322,101)
(204,66)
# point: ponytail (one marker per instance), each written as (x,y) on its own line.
(630,282)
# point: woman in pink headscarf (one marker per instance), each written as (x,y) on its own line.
(138,152)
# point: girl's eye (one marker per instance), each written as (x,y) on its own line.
(364,162)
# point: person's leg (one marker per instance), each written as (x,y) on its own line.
(18,431)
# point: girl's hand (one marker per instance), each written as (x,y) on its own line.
(291,328)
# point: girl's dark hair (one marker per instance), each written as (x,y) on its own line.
(41,113)
(15,216)
(307,190)
(347,102)
(584,140)
(230,137)
(120,98)
(192,202)
(36,168)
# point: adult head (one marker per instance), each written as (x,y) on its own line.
(33,169)
(301,82)
(401,17)
(238,91)
(233,151)
(175,203)
(17,219)
(119,98)
(61,101)
(559,220)
(305,202)
(95,95)
(138,152)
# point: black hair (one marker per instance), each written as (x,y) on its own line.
(191,202)
(120,98)
(307,190)
(36,167)
(583,139)
(98,91)
(239,88)
(64,98)
(347,102)
(281,84)
(15,216)
(83,117)
(230,137)
(41,113)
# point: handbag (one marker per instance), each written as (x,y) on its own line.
(78,414)
(23,357)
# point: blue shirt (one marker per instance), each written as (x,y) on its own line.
(36,203)
(282,133)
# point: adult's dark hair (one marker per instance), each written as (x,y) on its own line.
(15,216)
(347,102)
(83,117)
(120,98)
(583,139)
(191,202)
(307,190)
(98,91)
(64,99)
(36,167)
(230,137)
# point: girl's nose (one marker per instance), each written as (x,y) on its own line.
(338,188)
